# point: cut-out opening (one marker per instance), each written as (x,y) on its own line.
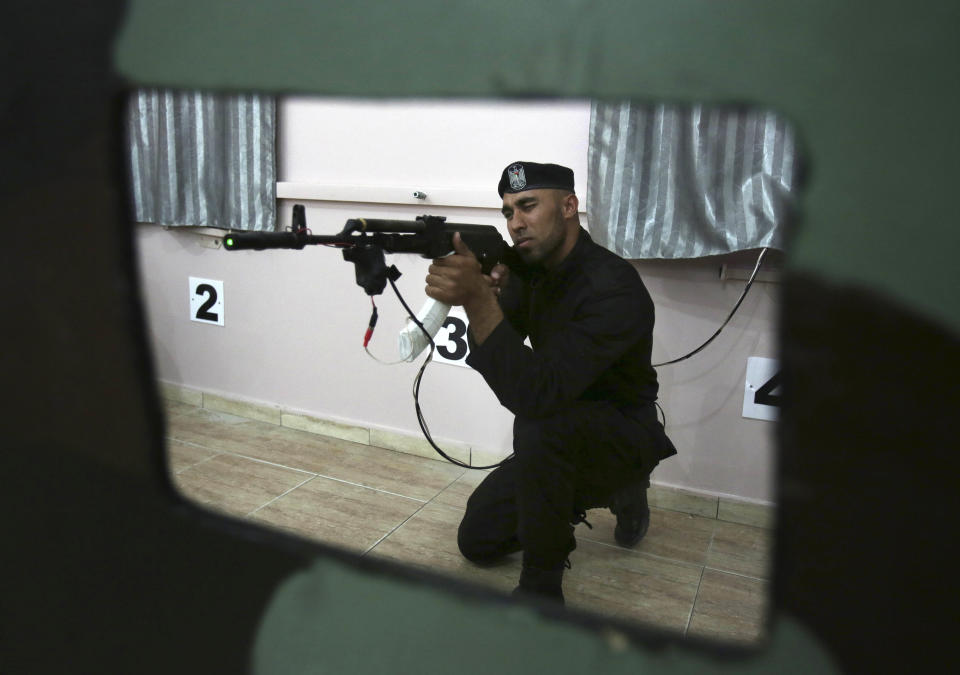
(275,414)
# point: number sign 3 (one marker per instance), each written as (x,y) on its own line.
(451,339)
(206,301)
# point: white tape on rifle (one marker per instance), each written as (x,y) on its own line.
(411,340)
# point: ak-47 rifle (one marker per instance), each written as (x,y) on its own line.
(364,241)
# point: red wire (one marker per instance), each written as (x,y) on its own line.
(372,324)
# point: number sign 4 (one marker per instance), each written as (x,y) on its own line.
(206,301)
(761,394)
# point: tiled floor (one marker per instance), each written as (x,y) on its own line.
(692,574)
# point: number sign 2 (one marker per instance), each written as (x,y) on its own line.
(451,339)
(206,301)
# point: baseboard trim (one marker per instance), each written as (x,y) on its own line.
(667,497)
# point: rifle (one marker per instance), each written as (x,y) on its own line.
(364,241)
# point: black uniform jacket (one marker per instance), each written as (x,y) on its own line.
(590,322)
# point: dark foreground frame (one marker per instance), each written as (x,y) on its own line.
(107,569)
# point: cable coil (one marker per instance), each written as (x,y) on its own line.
(416,381)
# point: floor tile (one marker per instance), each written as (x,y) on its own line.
(402,474)
(681,500)
(338,513)
(407,508)
(235,484)
(184,455)
(741,549)
(204,428)
(429,541)
(457,493)
(616,582)
(396,472)
(604,579)
(674,535)
(745,513)
(729,607)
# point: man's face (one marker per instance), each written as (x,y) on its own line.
(537,226)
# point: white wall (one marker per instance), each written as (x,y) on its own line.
(436,144)
(294,320)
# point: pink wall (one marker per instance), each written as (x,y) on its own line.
(294,321)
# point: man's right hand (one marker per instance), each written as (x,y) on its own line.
(499,277)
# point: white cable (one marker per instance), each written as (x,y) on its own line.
(381,361)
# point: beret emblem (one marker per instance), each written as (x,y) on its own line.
(518,179)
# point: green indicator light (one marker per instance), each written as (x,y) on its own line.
(229,241)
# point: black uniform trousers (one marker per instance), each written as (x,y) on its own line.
(563,464)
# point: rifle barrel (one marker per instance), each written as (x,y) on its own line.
(259,241)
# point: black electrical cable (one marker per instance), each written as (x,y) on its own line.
(416,390)
(746,288)
(664,423)
(416,382)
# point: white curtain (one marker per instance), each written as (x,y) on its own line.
(203,159)
(684,182)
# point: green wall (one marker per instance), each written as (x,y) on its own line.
(870,85)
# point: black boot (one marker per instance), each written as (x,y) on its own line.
(541,583)
(633,514)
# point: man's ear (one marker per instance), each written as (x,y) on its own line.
(570,204)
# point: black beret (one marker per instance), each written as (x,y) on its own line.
(521,176)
